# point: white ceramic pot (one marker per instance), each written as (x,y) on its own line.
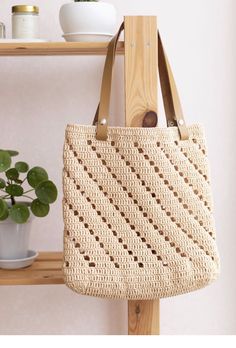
(14,240)
(88,21)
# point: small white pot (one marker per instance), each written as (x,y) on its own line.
(14,240)
(88,21)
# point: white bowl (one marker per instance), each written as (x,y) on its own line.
(19,263)
(85,37)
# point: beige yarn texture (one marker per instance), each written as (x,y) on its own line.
(137,212)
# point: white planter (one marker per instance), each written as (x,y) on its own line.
(88,21)
(14,240)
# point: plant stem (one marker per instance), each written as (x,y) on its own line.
(28,191)
(13,202)
(28,197)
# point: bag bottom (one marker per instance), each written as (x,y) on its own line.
(147,291)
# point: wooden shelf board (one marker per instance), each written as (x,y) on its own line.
(46,270)
(56,48)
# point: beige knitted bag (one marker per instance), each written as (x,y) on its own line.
(137,203)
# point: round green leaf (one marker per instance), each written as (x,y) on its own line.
(5,161)
(39,209)
(3,208)
(36,175)
(46,192)
(17,181)
(2,183)
(22,167)
(19,213)
(12,153)
(5,215)
(14,190)
(12,174)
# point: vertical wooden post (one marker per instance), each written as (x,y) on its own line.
(141,111)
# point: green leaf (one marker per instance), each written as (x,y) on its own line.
(19,213)
(5,161)
(5,215)
(14,190)
(39,209)
(17,181)
(36,175)
(46,192)
(12,174)
(2,183)
(22,167)
(3,209)
(12,153)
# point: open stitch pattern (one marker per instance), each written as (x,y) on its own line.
(138,213)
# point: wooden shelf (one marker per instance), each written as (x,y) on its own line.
(46,270)
(56,48)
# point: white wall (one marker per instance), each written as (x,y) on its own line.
(38,96)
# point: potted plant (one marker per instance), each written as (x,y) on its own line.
(88,20)
(17,206)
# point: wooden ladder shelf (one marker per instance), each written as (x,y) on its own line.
(140,54)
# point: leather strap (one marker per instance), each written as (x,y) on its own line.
(104,106)
(173,110)
(172,105)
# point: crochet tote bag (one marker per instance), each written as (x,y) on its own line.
(137,203)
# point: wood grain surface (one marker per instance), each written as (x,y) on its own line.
(47,269)
(56,48)
(140,68)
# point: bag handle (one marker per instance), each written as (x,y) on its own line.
(172,105)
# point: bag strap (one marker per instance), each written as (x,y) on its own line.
(104,106)
(172,105)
